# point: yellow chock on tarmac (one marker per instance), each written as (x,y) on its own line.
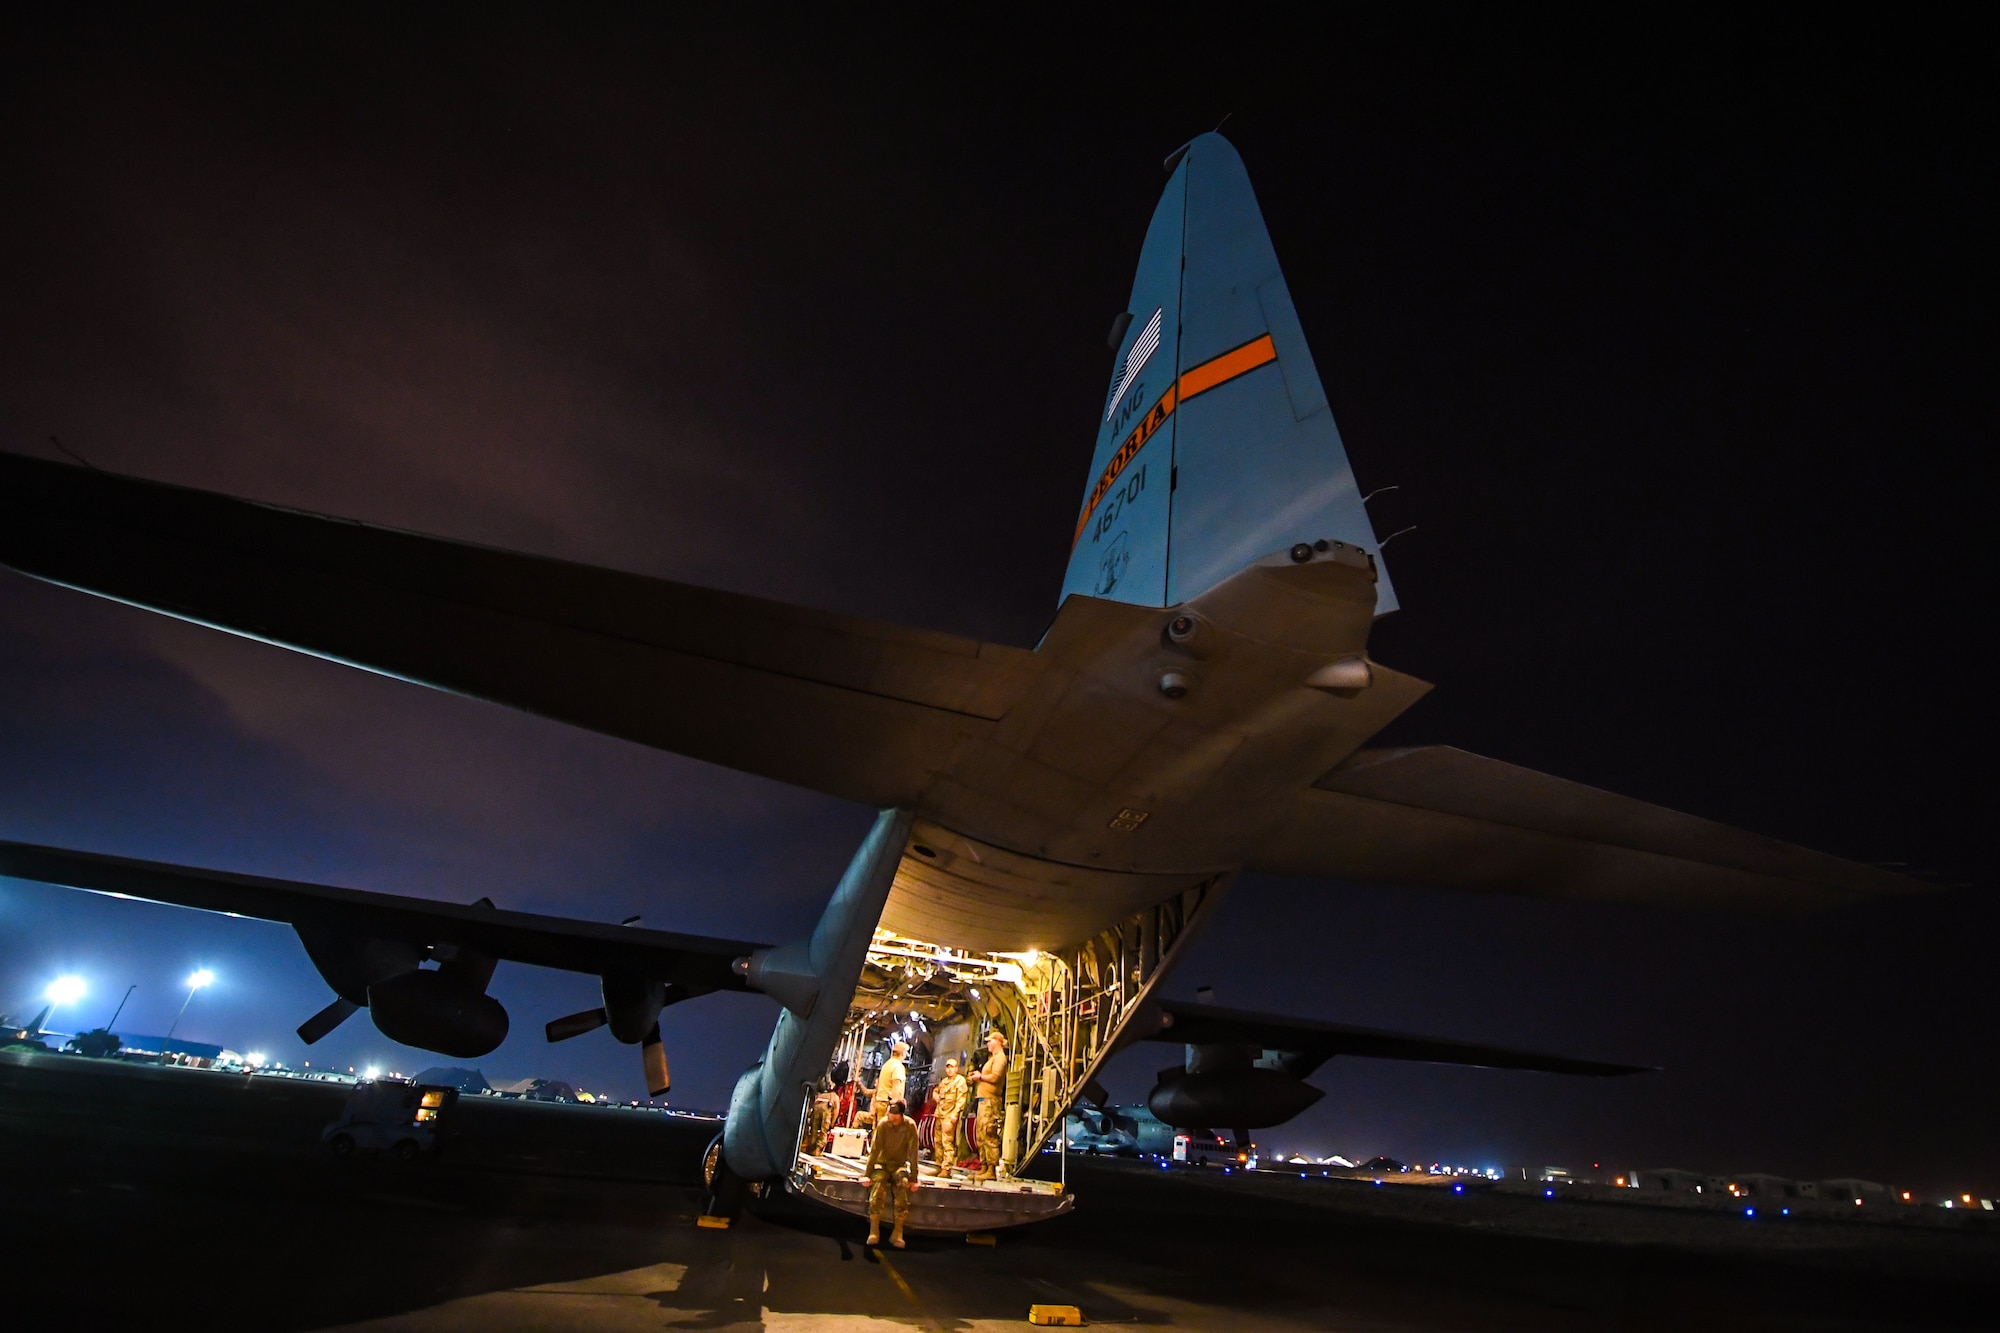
(713,1223)
(1055,1316)
(981,1238)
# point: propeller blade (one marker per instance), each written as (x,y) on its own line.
(326,1020)
(562,1029)
(653,1056)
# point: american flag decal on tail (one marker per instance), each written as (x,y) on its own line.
(1143,348)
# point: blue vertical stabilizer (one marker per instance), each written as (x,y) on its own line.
(1216,445)
(1120,548)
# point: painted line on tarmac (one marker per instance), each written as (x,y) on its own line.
(908,1291)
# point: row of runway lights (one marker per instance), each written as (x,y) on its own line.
(1459,1188)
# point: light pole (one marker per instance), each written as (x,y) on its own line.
(201,977)
(121,1007)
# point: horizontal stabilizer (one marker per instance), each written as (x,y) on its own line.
(1304,1045)
(1441,817)
(695,962)
(854,708)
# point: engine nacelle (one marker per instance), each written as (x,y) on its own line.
(351,963)
(1243,1098)
(632,1007)
(446,1010)
(437,1012)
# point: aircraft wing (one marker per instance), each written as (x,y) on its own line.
(1302,1045)
(695,963)
(851,707)
(1439,816)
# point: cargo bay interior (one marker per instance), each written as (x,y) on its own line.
(942,1003)
(1061,1012)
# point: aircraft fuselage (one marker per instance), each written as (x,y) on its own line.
(1146,749)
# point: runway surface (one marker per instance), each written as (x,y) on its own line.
(166,1198)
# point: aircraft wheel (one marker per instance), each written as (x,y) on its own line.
(711,1162)
(341,1145)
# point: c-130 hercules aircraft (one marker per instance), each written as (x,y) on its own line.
(1056,822)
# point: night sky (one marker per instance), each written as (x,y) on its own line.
(1678,341)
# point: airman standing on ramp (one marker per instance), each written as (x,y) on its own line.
(892,1172)
(992,1081)
(951,1094)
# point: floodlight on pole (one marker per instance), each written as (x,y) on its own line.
(202,977)
(61,991)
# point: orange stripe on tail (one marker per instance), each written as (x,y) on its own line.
(1201,379)
(1227,367)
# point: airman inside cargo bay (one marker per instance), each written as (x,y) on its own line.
(992,1081)
(951,1094)
(890,1084)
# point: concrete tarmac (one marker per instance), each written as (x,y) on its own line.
(166,1198)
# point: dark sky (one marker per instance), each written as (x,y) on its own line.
(1678,341)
